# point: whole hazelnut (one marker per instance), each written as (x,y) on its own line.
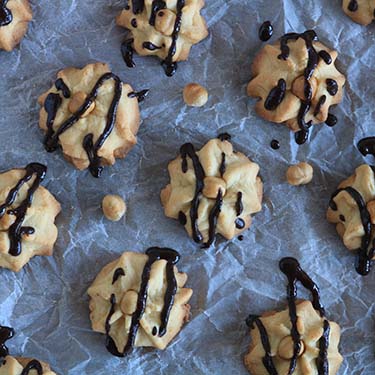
(195,95)
(299,174)
(114,207)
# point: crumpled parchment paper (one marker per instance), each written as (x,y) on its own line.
(47,303)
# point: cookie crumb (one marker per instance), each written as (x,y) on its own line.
(299,174)
(114,207)
(195,95)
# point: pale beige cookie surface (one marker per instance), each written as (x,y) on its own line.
(345,207)
(92,115)
(18,366)
(360,11)
(15,16)
(167,29)
(291,88)
(214,190)
(278,326)
(140,300)
(27,215)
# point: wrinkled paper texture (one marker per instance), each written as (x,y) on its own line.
(46,302)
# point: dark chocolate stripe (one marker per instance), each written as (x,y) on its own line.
(325,56)
(33,365)
(16,230)
(154,254)
(364,256)
(170,66)
(138,6)
(321,102)
(52,137)
(322,361)
(6,16)
(188,150)
(155,7)
(366,146)
(267,359)
(117,274)
(127,52)
(332,86)
(150,46)
(6,333)
(61,86)
(140,95)
(239,205)
(291,268)
(222,165)
(265,31)
(276,96)
(353,5)
(213,216)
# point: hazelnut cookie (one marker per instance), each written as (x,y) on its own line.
(27,216)
(92,115)
(164,28)
(296,82)
(298,340)
(140,300)
(15,16)
(352,209)
(214,190)
(18,366)
(360,11)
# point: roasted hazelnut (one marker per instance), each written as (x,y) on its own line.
(299,174)
(114,207)
(195,95)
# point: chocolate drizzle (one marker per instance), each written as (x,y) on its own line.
(150,46)
(213,216)
(222,165)
(239,205)
(224,137)
(117,274)
(366,146)
(61,86)
(155,7)
(332,86)
(309,37)
(267,359)
(138,6)
(33,365)
(276,96)
(170,66)
(154,254)
(275,144)
(291,268)
(6,16)
(127,52)
(364,256)
(321,102)
(265,31)
(16,230)
(188,150)
(51,106)
(325,56)
(6,333)
(331,120)
(140,95)
(353,5)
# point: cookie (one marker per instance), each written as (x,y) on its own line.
(140,300)
(296,82)
(299,340)
(351,208)
(27,216)
(24,366)
(214,190)
(164,28)
(18,366)
(360,11)
(91,115)
(15,16)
